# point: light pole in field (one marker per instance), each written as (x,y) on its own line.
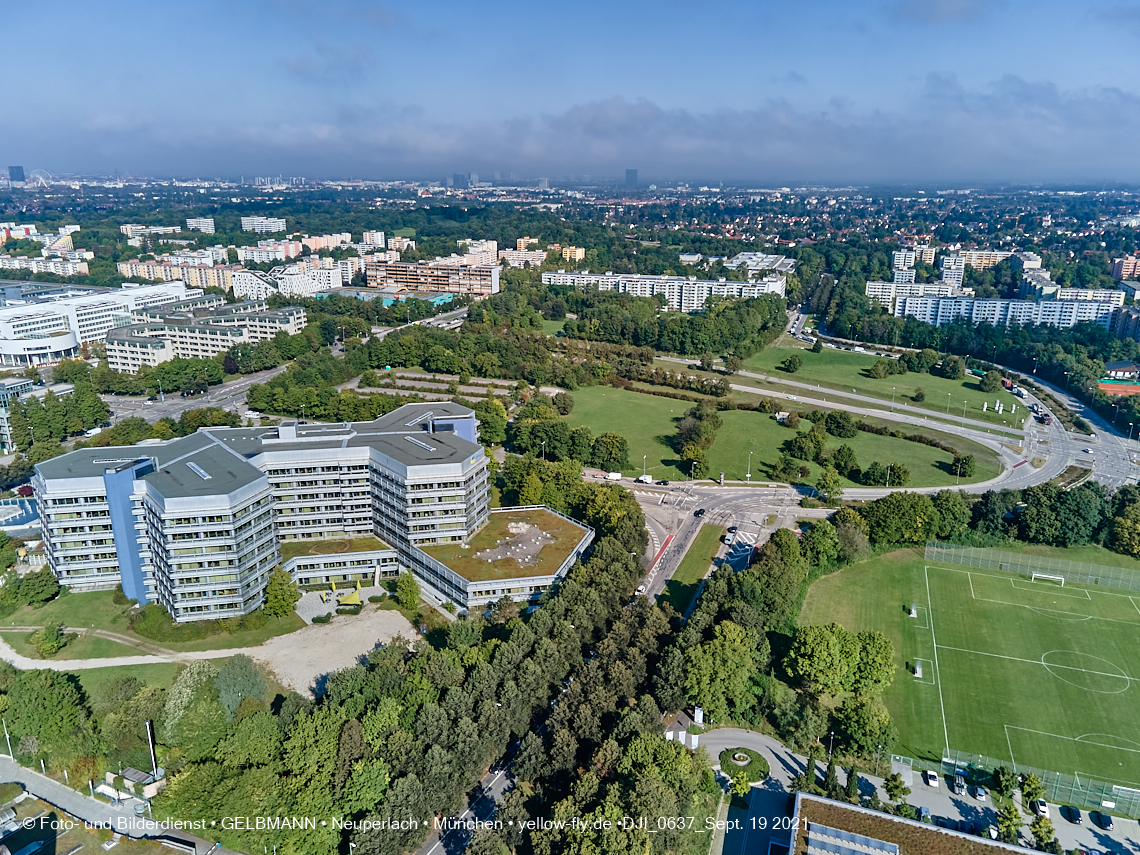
(544,451)
(749,475)
(948,403)
(643,466)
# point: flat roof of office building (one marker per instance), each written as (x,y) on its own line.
(192,466)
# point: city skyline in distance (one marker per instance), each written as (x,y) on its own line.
(975,91)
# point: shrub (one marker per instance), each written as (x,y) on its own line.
(349,610)
(377,598)
(119,598)
(322,618)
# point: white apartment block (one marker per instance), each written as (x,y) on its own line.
(522,257)
(924,253)
(903,276)
(269,250)
(253,285)
(888,292)
(904,259)
(953,269)
(291,281)
(200,224)
(1056,313)
(374,239)
(134,230)
(262,225)
(682,294)
(58,266)
(1025,261)
(397,242)
(217,276)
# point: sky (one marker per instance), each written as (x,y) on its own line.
(812,91)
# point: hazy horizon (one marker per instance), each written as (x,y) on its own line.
(889,91)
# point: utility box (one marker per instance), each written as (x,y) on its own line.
(698,715)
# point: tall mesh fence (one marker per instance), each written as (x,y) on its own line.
(1078,572)
(1060,789)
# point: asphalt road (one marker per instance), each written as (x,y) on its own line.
(229,396)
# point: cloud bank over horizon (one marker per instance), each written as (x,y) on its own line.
(367,92)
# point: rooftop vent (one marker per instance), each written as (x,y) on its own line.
(199,471)
(415,441)
(419,418)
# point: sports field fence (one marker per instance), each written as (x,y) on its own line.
(1078,572)
(1060,789)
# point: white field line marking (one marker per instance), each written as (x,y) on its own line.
(1080,615)
(934,641)
(925,682)
(1039,662)
(1133,601)
(1054,591)
(1006,576)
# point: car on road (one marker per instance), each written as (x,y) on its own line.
(641,589)
(1039,808)
(1087,450)
(1101,819)
(732,529)
(1072,814)
(699,512)
(980,793)
(662,483)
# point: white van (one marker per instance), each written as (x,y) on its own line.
(644,479)
(613,476)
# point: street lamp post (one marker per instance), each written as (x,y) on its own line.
(948,403)
(749,475)
(1114,418)
(161,396)
(1035,364)
(1130,430)
(892,397)
(544,451)
(1066,381)
(831,745)
(964,409)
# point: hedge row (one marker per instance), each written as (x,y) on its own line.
(909,437)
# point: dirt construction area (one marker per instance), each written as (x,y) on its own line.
(303,658)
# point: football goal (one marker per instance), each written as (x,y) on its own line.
(1047,577)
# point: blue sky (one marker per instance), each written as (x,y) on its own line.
(964,91)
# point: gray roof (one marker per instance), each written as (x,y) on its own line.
(173,476)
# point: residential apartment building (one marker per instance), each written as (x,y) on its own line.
(196,332)
(270,250)
(1128,323)
(903,276)
(428,276)
(134,230)
(315,244)
(981,259)
(206,276)
(1025,261)
(523,243)
(888,292)
(682,294)
(924,253)
(904,259)
(373,239)
(195,524)
(1056,313)
(573,253)
(200,224)
(58,266)
(522,257)
(1126,268)
(397,242)
(263,225)
(953,269)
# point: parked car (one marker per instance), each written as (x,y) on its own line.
(959,784)
(662,483)
(1072,814)
(1039,808)
(1101,819)
(980,793)
(931,778)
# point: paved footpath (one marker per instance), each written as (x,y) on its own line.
(93,811)
(770,798)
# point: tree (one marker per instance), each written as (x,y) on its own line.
(611,452)
(991,381)
(719,670)
(708,362)
(830,486)
(819,544)
(1043,832)
(563,402)
(49,640)
(504,610)
(46,705)
(919,395)
(1031,788)
(953,368)
(963,466)
(792,364)
(865,724)
(1004,781)
(831,780)
(953,513)
(901,518)
(844,461)
(733,363)
(531,491)
(894,787)
(740,784)
(1009,823)
(852,788)
(839,423)
(281,592)
(1125,537)
(407,590)
(237,680)
(876,666)
(817,346)
(822,657)
(38,587)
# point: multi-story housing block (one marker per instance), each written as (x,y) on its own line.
(426,276)
(263,225)
(682,294)
(522,257)
(200,224)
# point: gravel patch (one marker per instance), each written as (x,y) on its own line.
(303,659)
(310,605)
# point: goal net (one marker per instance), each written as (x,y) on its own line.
(1047,577)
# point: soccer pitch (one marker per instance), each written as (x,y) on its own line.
(1023,671)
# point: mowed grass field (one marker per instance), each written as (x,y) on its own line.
(649,422)
(1020,671)
(845,370)
(682,587)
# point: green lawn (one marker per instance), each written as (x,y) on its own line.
(553,327)
(293,548)
(680,590)
(247,638)
(79,648)
(1019,671)
(847,371)
(648,423)
(161,674)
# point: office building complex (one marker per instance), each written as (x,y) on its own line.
(262,225)
(196,329)
(427,276)
(631,178)
(43,333)
(200,224)
(757,262)
(681,294)
(196,524)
